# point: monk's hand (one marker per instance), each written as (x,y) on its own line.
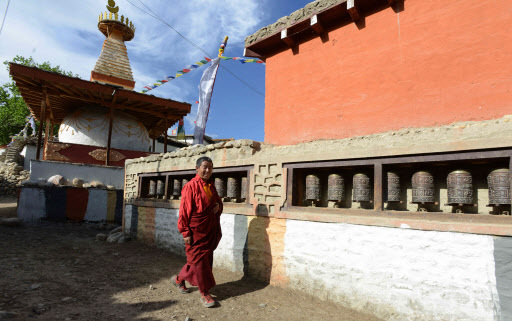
(216,208)
(187,240)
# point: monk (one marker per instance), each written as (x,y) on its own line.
(199,223)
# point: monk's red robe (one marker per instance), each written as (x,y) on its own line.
(197,219)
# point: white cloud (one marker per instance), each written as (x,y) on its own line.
(65,33)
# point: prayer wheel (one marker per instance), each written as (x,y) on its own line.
(423,187)
(245,186)
(160,187)
(499,187)
(233,188)
(152,187)
(393,187)
(335,188)
(312,187)
(220,186)
(460,187)
(361,188)
(184,182)
(176,188)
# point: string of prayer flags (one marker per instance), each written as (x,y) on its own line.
(196,65)
(223,46)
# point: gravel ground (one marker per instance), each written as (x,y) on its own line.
(60,272)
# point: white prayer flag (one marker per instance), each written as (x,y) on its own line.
(205,96)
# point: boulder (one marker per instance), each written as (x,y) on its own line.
(101,237)
(78,182)
(116,230)
(57,180)
(97,184)
(112,238)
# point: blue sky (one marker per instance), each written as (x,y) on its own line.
(65,33)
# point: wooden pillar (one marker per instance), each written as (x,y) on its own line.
(41,122)
(46,136)
(153,150)
(110,118)
(165,136)
(377,187)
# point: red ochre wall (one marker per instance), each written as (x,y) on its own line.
(436,62)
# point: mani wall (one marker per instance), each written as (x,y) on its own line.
(394,264)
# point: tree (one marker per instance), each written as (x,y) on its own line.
(13,110)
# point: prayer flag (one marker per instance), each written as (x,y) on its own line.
(205,96)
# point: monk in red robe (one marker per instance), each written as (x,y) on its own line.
(199,223)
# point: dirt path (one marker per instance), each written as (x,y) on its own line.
(60,272)
(7,206)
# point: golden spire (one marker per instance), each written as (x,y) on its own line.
(111,6)
(112,15)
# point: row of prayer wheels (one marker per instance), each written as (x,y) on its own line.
(232,188)
(459,186)
(229,188)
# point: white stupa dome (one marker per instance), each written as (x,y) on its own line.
(89,126)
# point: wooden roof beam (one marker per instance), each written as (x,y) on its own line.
(286,38)
(352,10)
(316,25)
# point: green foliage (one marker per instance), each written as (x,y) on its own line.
(13,110)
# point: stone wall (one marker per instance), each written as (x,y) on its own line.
(423,268)
(395,274)
(11,176)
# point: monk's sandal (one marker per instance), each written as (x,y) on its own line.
(207,300)
(180,285)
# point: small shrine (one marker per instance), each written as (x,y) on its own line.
(102,121)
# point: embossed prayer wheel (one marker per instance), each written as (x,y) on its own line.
(460,187)
(393,187)
(243,190)
(160,187)
(183,182)
(176,188)
(335,188)
(152,187)
(312,187)
(220,185)
(499,187)
(233,187)
(423,187)
(361,188)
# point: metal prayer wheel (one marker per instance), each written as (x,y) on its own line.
(220,186)
(312,187)
(152,188)
(361,188)
(233,188)
(335,188)
(183,183)
(393,187)
(423,187)
(460,187)
(499,187)
(176,188)
(243,190)
(160,187)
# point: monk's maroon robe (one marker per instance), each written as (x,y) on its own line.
(197,219)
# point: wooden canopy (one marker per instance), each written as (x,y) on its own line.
(63,94)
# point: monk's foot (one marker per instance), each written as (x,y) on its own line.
(180,285)
(207,300)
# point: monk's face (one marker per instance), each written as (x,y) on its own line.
(205,170)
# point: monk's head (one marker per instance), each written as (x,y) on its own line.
(204,168)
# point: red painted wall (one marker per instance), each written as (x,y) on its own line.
(434,63)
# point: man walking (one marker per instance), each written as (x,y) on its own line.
(199,223)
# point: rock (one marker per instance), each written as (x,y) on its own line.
(86,185)
(117,229)
(10,221)
(35,286)
(66,299)
(151,287)
(111,187)
(101,237)
(7,315)
(78,182)
(56,180)
(114,237)
(262,305)
(123,239)
(187,319)
(97,184)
